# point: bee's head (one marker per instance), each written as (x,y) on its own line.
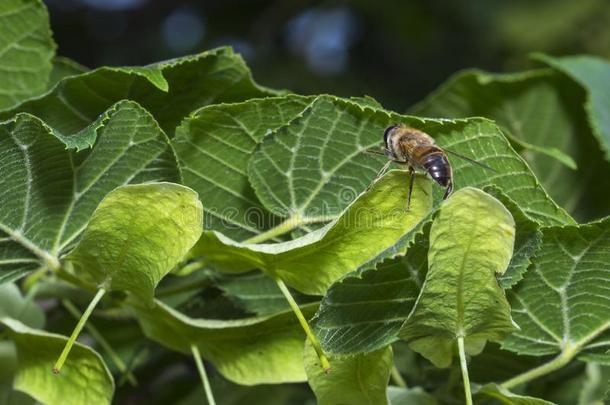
(386,136)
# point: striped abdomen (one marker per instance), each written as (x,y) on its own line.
(438,167)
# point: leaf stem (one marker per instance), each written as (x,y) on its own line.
(204,377)
(288,225)
(464,367)
(118,362)
(561,360)
(79,326)
(397,378)
(312,338)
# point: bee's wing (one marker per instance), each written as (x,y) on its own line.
(374,152)
(469,160)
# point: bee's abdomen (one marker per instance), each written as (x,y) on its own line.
(437,165)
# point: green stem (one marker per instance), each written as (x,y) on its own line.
(79,326)
(464,366)
(204,377)
(397,378)
(558,362)
(312,338)
(102,342)
(288,225)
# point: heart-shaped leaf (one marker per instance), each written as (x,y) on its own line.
(471,240)
(136,235)
(562,302)
(84,380)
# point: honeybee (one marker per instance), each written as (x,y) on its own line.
(416,149)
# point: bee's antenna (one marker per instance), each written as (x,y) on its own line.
(470,160)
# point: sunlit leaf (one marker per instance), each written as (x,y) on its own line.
(84,379)
(411,396)
(356,380)
(260,350)
(370,225)
(136,235)
(471,240)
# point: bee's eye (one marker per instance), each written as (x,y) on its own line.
(386,134)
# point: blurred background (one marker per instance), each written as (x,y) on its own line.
(395,51)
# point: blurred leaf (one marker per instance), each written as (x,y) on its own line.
(471,240)
(136,235)
(257,293)
(169,90)
(373,223)
(593,74)
(542,114)
(364,312)
(14,305)
(52,191)
(26,50)
(213,147)
(84,379)
(410,396)
(62,68)
(562,302)
(356,380)
(506,397)
(260,350)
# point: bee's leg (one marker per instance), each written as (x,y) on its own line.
(411,176)
(448,190)
(383,170)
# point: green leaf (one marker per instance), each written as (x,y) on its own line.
(364,311)
(257,293)
(169,90)
(528,238)
(136,235)
(51,192)
(562,302)
(506,397)
(593,74)
(14,305)
(410,396)
(260,350)
(313,167)
(84,380)
(62,68)
(354,380)
(541,113)
(471,240)
(213,147)
(26,50)
(370,225)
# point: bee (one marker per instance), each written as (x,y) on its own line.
(416,149)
